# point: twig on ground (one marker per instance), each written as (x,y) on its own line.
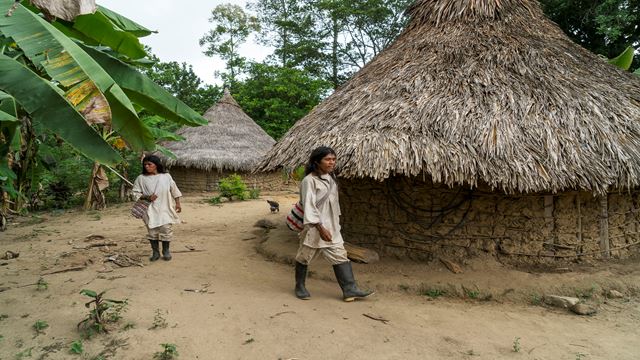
(377,318)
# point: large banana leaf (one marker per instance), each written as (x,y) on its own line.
(46,106)
(624,60)
(145,92)
(125,24)
(99,28)
(66,63)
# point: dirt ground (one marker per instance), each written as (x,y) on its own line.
(232,297)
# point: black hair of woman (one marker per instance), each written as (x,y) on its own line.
(153,159)
(314,159)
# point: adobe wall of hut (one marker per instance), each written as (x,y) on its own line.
(414,218)
(197,180)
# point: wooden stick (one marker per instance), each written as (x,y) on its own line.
(75,268)
(377,318)
(94,245)
(604,227)
(187,251)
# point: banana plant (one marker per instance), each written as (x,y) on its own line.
(72,78)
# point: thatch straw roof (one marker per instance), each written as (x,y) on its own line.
(230,141)
(480,91)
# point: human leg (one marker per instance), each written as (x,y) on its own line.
(152,236)
(165,234)
(337,256)
(303,258)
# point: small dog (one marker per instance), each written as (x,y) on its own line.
(273,206)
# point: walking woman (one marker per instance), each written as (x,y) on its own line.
(156,186)
(321,233)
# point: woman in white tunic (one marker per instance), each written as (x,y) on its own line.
(321,233)
(156,186)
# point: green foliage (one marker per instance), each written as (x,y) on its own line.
(3,317)
(536,299)
(605,27)
(101,313)
(159,321)
(183,83)
(516,345)
(39,326)
(232,27)
(254,193)
(624,60)
(42,284)
(233,187)
(433,292)
(214,200)
(587,293)
(76,347)
(24,353)
(276,97)
(169,352)
(298,173)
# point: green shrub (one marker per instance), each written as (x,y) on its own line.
(232,186)
(254,193)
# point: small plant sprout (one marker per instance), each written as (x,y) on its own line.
(159,320)
(42,285)
(102,312)
(76,347)
(168,353)
(580,356)
(433,293)
(516,345)
(39,326)
(128,326)
(24,353)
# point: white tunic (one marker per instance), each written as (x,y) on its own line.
(161,211)
(312,189)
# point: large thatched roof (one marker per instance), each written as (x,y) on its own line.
(231,141)
(480,91)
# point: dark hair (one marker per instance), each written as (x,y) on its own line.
(314,159)
(153,159)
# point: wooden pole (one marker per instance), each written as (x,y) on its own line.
(604,226)
(579,204)
(88,199)
(548,217)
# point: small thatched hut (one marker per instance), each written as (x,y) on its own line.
(230,143)
(483,128)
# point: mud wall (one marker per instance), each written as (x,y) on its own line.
(196,180)
(414,218)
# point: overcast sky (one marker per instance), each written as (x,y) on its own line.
(180,24)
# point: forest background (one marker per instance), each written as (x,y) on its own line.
(317,45)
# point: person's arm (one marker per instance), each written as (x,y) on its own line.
(137,190)
(176,194)
(178,207)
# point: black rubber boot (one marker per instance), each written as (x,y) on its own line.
(350,290)
(166,254)
(155,247)
(301,276)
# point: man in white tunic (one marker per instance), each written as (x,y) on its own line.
(321,233)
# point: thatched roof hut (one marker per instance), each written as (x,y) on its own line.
(481,90)
(479,94)
(230,143)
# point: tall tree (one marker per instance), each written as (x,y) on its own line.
(276,97)
(232,27)
(605,27)
(289,26)
(183,83)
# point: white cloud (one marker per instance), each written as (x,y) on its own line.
(180,24)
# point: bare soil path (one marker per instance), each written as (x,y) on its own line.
(230,302)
